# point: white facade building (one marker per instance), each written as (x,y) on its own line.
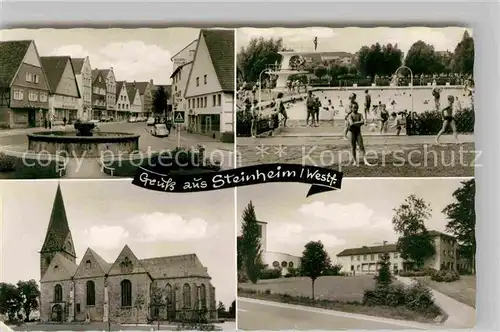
(83,73)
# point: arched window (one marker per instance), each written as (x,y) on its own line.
(58,293)
(90,293)
(290,264)
(170,295)
(195,294)
(126,287)
(88,264)
(186,295)
(203,296)
(276,264)
(284,264)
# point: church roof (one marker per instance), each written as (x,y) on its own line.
(175,267)
(58,229)
(105,266)
(66,269)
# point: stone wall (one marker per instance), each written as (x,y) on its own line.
(47,297)
(141,283)
(96,311)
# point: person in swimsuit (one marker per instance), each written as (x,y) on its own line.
(348,111)
(368,103)
(448,120)
(310,104)
(317,106)
(355,122)
(254,114)
(436,93)
(399,121)
(280,108)
(384,118)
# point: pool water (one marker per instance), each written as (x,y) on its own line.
(422,100)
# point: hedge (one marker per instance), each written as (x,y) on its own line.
(26,167)
(431,122)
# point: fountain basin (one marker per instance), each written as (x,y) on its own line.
(71,145)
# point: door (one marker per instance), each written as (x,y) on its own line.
(57,313)
(208,124)
(32,118)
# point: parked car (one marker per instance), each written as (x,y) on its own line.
(95,122)
(105,119)
(160,130)
(151,121)
(132,119)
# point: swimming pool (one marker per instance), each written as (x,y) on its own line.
(402,95)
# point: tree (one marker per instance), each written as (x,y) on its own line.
(314,261)
(463,57)
(379,60)
(422,59)
(320,71)
(10,300)
(461,216)
(251,243)
(239,254)
(158,301)
(414,243)
(259,53)
(384,276)
(221,309)
(232,310)
(160,99)
(139,303)
(29,293)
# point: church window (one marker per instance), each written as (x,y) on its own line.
(58,295)
(78,309)
(126,287)
(170,294)
(203,296)
(126,265)
(90,293)
(89,264)
(186,295)
(195,294)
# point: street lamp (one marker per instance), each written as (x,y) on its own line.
(411,82)
(260,85)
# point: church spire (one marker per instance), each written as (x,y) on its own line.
(58,233)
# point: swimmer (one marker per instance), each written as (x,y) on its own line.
(448,120)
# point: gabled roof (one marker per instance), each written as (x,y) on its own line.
(58,229)
(105,266)
(11,56)
(175,267)
(126,254)
(141,87)
(77,65)
(194,41)
(102,265)
(131,91)
(119,85)
(105,72)
(387,248)
(220,44)
(54,67)
(95,73)
(179,68)
(65,264)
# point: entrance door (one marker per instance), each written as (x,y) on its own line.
(57,313)
(32,118)
(208,124)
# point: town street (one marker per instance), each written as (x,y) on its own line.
(264,315)
(17,140)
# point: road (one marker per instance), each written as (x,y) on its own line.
(264,315)
(17,140)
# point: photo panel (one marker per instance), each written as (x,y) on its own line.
(99,103)
(373,102)
(353,259)
(109,256)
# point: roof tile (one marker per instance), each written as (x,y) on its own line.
(11,56)
(220,44)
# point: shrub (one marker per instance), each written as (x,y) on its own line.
(431,122)
(333,270)
(270,273)
(413,273)
(445,276)
(416,298)
(7,163)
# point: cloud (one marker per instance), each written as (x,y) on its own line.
(280,234)
(337,216)
(133,60)
(105,237)
(159,226)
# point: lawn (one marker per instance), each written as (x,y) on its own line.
(463,290)
(326,288)
(333,293)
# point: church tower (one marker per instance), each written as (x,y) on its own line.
(58,237)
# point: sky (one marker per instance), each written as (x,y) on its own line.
(134,54)
(352,39)
(106,215)
(359,214)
